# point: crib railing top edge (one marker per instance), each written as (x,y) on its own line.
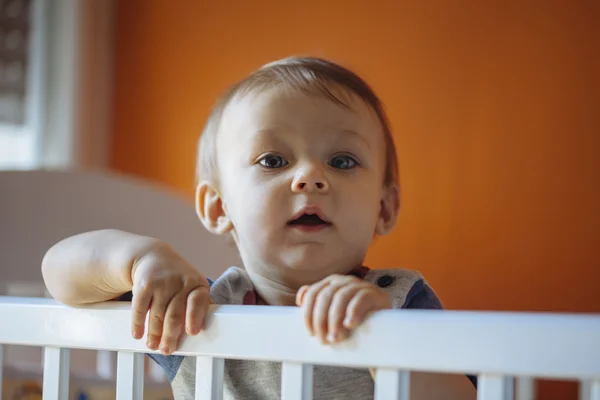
(534,344)
(553,317)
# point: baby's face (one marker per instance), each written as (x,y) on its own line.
(301,180)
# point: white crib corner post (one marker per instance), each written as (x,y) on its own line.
(296,381)
(209,378)
(56,373)
(130,376)
(392,384)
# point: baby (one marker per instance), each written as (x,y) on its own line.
(297,164)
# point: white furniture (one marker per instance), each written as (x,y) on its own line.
(495,346)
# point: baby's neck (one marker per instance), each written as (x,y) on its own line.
(273,293)
(278,287)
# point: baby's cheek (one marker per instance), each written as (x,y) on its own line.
(255,227)
(359,223)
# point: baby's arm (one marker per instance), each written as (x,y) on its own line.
(94,266)
(102,265)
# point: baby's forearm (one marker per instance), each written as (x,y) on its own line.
(94,266)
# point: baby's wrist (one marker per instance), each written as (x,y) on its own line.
(144,250)
(124,251)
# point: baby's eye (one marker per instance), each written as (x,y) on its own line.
(343,162)
(273,161)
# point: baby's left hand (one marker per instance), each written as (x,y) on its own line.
(337,304)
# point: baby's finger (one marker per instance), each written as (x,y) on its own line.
(173,323)
(337,312)
(197,306)
(139,309)
(158,309)
(300,295)
(361,304)
(321,311)
(308,304)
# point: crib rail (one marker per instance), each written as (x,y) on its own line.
(494,346)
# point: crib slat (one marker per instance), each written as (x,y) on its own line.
(589,389)
(56,373)
(392,384)
(595,389)
(585,390)
(1,367)
(525,388)
(105,364)
(492,387)
(296,381)
(209,378)
(509,388)
(130,376)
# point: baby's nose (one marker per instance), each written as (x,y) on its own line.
(309,181)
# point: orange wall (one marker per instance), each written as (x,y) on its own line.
(495,109)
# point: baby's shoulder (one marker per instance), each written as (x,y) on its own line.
(408,288)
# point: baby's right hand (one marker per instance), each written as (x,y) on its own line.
(176,294)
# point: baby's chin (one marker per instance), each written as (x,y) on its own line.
(318,267)
(304,262)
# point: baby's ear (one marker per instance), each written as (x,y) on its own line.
(210,209)
(388,210)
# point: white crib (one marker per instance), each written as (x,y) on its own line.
(497,347)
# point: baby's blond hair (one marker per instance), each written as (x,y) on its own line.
(306,74)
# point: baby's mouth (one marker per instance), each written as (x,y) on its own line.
(309,220)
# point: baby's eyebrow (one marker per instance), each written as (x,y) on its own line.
(273,134)
(270,135)
(354,134)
